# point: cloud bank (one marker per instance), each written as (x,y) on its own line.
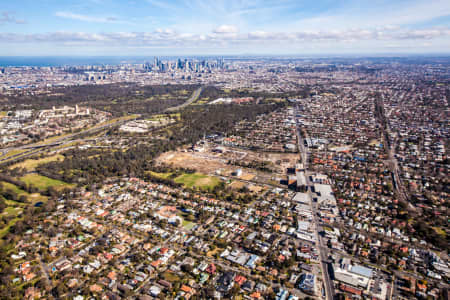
(225,34)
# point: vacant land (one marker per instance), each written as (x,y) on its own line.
(31,164)
(227,159)
(43,183)
(194,161)
(255,188)
(237,185)
(217,164)
(247,176)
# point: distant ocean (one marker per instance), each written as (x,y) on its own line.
(53,61)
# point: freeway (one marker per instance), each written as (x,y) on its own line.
(191,100)
(33,149)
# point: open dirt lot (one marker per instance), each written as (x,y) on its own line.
(194,160)
(224,161)
(212,158)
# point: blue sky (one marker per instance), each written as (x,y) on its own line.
(222,27)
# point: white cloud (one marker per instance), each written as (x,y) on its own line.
(226,29)
(258,35)
(230,38)
(86,18)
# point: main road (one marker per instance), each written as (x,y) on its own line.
(321,248)
(389,147)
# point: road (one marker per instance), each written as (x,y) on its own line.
(191,100)
(391,162)
(37,148)
(228,266)
(32,149)
(321,248)
(44,270)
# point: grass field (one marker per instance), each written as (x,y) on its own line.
(439,231)
(191,180)
(5,230)
(188,225)
(197,180)
(14,188)
(160,175)
(13,210)
(30,197)
(43,183)
(3,114)
(170,277)
(13,152)
(31,164)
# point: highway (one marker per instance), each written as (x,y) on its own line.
(191,100)
(32,149)
(36,148)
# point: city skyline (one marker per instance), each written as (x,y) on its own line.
(154,27)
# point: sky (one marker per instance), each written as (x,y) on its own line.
(223,27)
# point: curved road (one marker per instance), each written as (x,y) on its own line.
(191,100)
